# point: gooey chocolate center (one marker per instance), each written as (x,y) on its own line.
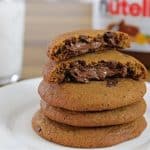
(79,71)
(84,44)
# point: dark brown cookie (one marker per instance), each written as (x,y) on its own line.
(76,43)
(86,137)
(92,119)
(94,96)
(95,66)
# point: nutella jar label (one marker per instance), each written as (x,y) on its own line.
(129,16)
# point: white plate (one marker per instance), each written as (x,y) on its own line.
(18,103)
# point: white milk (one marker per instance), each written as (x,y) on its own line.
(11,39)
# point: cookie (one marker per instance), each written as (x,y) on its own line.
(92,119)
(86,137)
(94,96)
(76,43)
(95,66)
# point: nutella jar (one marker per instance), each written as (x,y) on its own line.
(129,16)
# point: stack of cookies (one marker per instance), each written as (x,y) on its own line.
(91,94)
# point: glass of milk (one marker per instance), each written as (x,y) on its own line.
(12,13)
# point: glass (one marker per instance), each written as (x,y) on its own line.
(12,14)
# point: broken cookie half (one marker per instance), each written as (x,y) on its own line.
(77,43)
(95,66)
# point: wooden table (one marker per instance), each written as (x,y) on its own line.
(45,20)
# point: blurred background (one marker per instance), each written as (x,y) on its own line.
(27,28)
(45,19)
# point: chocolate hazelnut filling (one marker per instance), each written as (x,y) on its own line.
(124,27)
(79,71)
(86,44)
